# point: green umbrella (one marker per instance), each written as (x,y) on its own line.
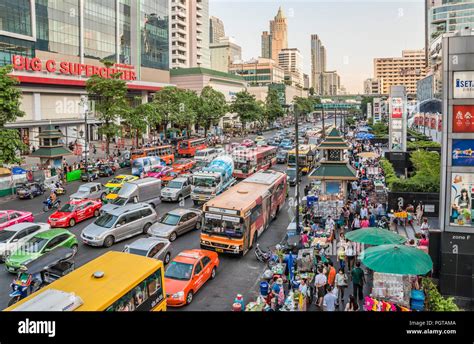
(397,259)
(375,236)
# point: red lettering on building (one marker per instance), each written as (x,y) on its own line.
(51,66)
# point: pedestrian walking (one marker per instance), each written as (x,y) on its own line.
(358,280)
(330,300)
(320,282)
(341,285)
(351,305)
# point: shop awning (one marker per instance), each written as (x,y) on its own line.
(333,172)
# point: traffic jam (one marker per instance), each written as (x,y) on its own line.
(228,193)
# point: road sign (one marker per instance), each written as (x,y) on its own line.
(334,106)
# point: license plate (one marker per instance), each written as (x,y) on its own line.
(202,198)
(220,250)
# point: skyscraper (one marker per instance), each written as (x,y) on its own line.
(318,64)
(224,53)
(190,34)
(291,61)
(216,29)
(277,39)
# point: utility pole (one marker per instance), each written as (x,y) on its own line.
(323,133)
(335,115)
(297,217)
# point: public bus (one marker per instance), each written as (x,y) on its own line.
(306,158)
(145,165)
(189,147)
(115,281)
(251,160)
(233,220)
(163,152)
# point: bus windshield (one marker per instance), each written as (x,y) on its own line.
(223,227)
(205,182)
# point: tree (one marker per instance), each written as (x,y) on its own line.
(273,107)
(10,99)
(363,105)
(138,118)
(189,105)
(245,105)
(311,91)
(212,107)
(303,106)
(166,105)
(110,97)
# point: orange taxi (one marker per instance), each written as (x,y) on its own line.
(187,273)
(168,176)
(183,165)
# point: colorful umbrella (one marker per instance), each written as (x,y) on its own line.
(375,236)
(397,259)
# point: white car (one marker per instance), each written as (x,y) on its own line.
(12,237)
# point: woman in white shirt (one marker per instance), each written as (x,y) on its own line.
(341,285)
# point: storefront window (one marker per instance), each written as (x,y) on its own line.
(462,199)
(99,29)
(154,33)
(15,17)
(57,26)
(12,46)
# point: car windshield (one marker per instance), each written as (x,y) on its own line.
(3,218)
(35,245)
(170,219)
(116,181)
(291,173)
(83,189)
(68,208)
(200,153)
(179,271)
(106,221)
(119,201)
(157,169)
(204,182)
(137,251)
(5,235)
(175,185)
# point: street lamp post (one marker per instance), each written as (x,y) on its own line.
(86,140)
(297,217)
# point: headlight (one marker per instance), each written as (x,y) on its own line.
(178,295)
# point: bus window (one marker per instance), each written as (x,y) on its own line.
(256,212)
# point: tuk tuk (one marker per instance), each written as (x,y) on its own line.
(29,190)
(89,174)
(40,272)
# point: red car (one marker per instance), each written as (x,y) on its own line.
(75,211)
(247,143)
(183,165)
(187,273)
(10,217)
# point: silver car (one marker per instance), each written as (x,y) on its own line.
(91,191)
(13,237)
(177,189)
(176,222)
(119,224)
(151,247)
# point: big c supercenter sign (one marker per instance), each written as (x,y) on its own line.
(463,84)
(21,63)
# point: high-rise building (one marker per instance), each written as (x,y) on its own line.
(216,30)
(224,53)
(400,71)
(259,71)
(190,34)
(266,45)
(291,61)
(306,81)
(371,86)
(277,39)
(67,40)
(331,83)
(318,63)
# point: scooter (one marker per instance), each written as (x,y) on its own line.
(261,255)
(48,205)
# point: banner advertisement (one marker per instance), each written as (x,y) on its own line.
(462,119)
(463,153)
(397,107)
(397,124)
(396,140)
(462,193)
(463,84)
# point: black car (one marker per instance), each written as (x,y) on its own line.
(282,156)
(105,171)
(29,190)
(291,175)
(90,175)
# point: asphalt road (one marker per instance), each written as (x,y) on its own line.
(235,275)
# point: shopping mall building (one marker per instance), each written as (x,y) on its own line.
(55,46)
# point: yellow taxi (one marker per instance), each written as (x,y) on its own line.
(116,183)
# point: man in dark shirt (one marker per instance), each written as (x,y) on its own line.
(358,280)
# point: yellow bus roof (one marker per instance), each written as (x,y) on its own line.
(122,271)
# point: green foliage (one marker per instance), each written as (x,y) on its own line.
(422,145)
(350,120)
(303,105)
(246,106)
(389,172)
(380,130)
(167,109)
(273,108)
(212,107)
(363,104)
(10,146)
(10,97)
(137,118)
(418,136)
(434,301)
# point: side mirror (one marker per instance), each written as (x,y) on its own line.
(118,225)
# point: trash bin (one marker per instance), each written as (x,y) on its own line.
(264,286)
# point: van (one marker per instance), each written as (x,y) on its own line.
(206,155)
(119,224)
(147,190)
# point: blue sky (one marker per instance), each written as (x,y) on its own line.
(354,32)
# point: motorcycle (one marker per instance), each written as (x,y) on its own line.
(263,256)
(60,191)
(48,204)
(383,223)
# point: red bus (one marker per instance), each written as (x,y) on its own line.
(234,219)
(250,160)
(164,152)
(189,147)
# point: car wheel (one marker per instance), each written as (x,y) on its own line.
(213,273)
(74,249)
(167,258)
(173,236)
(103,197)
(146,228)
(109,241)
(72,222)
(96,213)
(189,297)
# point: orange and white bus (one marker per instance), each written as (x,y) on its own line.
(164,152)
(250,160)
(233,220)
(189,147)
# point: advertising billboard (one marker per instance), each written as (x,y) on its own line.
(463,152)
(462,119)
(396,142)
(397,107)
(397,124)
(462,193)
(463,84)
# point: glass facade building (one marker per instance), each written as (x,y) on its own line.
(450,16)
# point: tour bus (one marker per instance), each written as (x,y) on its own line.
(115,281)
(251,160)
(307,158)
(144,165)
(189,147)
(233,220)
(164,152)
